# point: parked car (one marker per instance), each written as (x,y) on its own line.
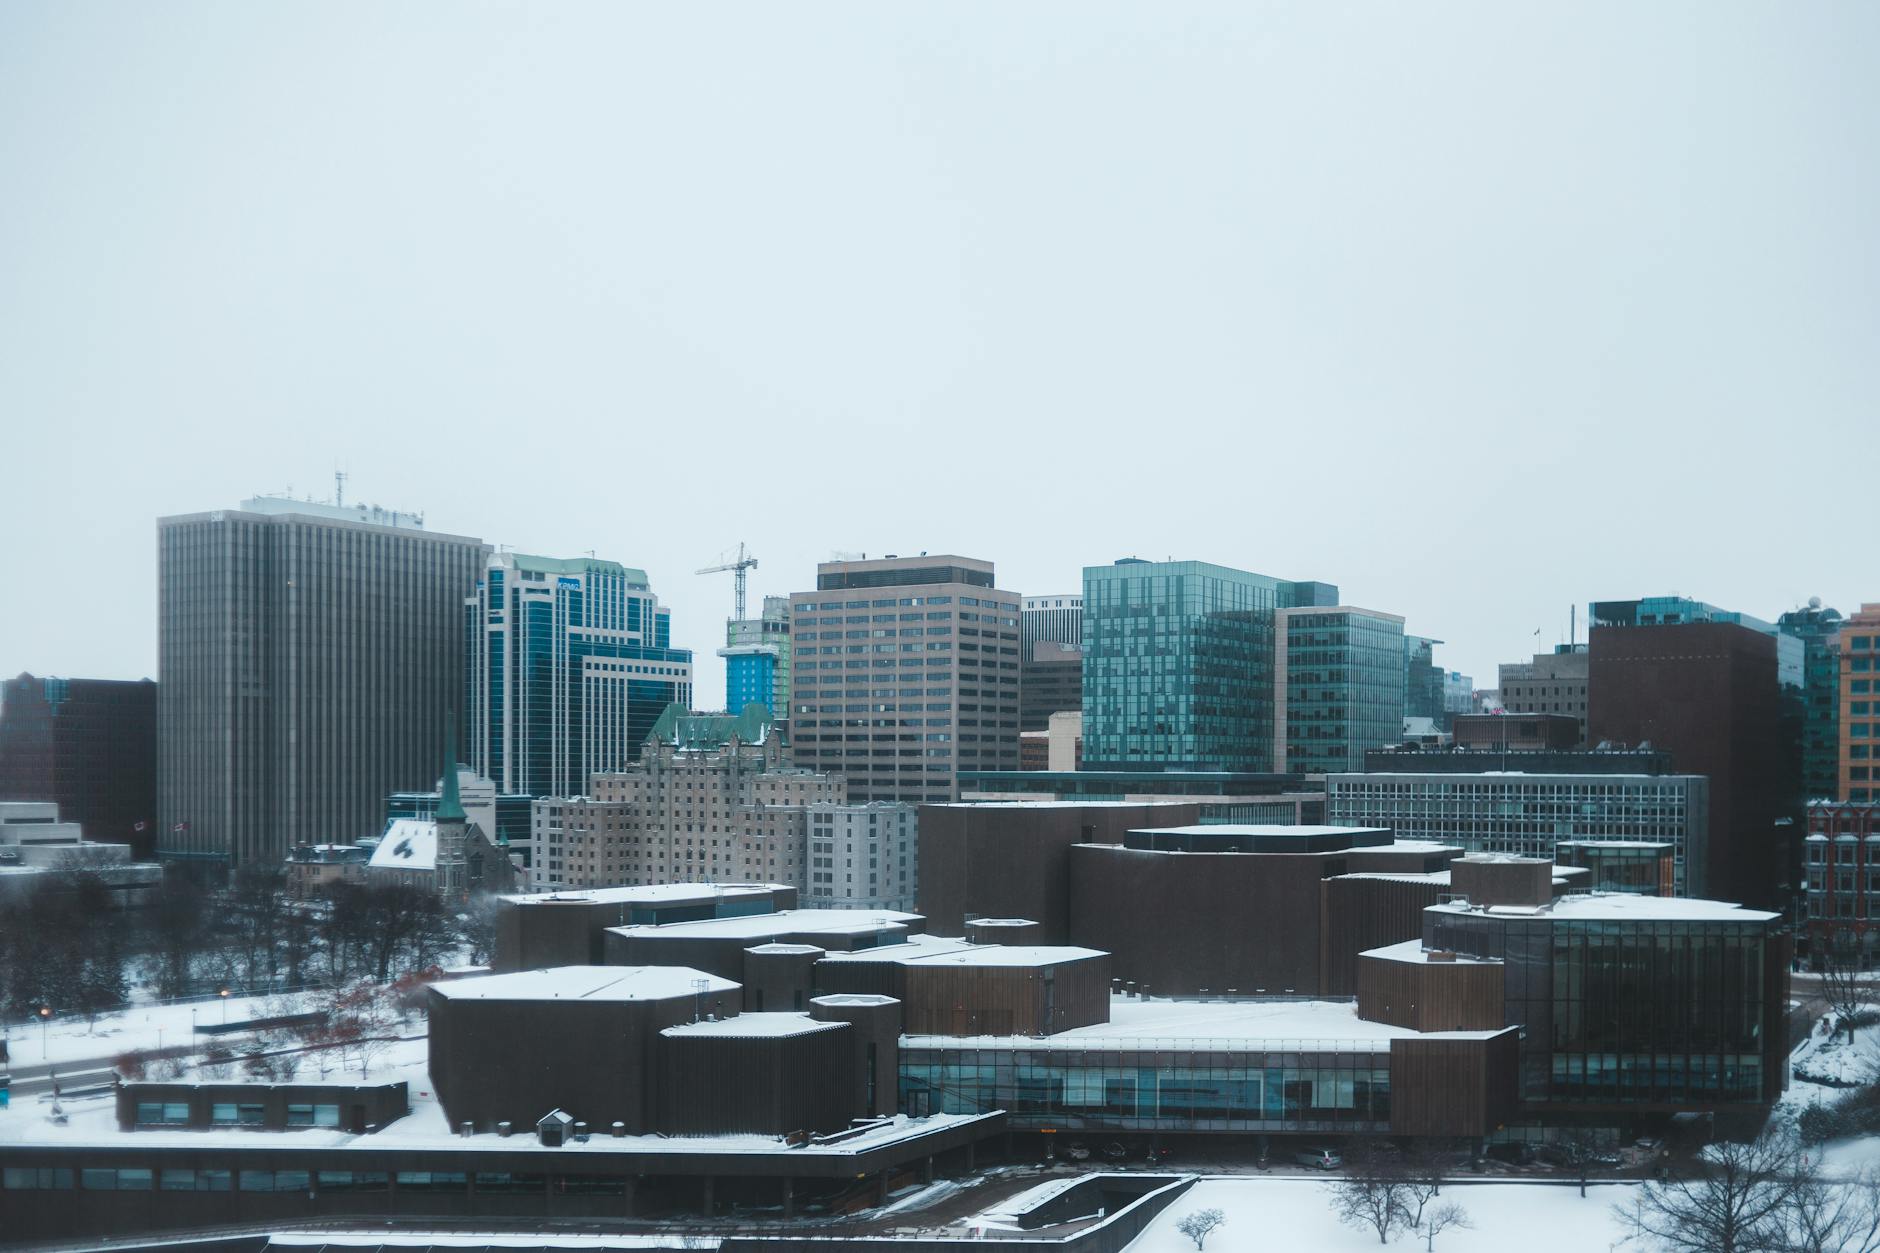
(1321,1158)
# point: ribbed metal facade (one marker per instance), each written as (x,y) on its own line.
(307,666)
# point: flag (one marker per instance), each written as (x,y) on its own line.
(181,826)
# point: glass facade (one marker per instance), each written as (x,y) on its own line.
(570,665)
(1344,687)
(1661,1011)
(1181,1085)
(1179,665)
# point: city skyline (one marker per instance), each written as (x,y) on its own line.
(1320,293)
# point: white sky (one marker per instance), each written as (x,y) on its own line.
(1474,310)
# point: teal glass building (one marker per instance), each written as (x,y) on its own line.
(570,665)
(1179,664)
(1343,673)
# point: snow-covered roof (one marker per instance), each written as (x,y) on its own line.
(1619,906)
(1251,1026)
(1413,953)
(913,949)
(784,950)
(587,983)
(774,1026)
(783,922)
(852,999)
(408,844)
(1272,829)
(1009,955)
(647,894)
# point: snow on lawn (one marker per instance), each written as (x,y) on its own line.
(1828,1057)
(69,1038)
(1286,1215)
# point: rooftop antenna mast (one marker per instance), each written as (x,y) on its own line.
(738,568)
(339,488)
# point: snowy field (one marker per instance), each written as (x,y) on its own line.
(71,1038)
(1293,1216)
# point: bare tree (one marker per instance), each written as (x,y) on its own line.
(1371,1200)
(1441,1218)
(1843,983)
(1735,1200)
(1198,1225)
(1827,1216)
(1582,1152)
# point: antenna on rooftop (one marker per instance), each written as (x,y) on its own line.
(339,487)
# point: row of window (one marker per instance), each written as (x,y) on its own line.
(146,1179)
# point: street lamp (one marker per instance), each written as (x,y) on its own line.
(223,993)
(45,1020)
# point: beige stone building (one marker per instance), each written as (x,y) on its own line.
(713,799)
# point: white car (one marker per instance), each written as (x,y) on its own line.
(1323,1159)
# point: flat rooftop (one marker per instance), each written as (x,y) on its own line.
(1619,907)
(586,983)
(1413,953)
(760,927)
(653,893)
(1223,1026)
(774,1026)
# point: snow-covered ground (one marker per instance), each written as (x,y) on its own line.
(1297,1215)
(1828,1057)
(71,1039)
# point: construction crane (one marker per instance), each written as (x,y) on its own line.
(738,568)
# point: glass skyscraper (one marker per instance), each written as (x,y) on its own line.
(1179,666)
(1342,669)
(570,665)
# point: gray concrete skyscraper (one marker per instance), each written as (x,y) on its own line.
(308,656)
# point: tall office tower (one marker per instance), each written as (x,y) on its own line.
(1860,710)
(757,659)
(1178,664)
(89,746)
(1703,685)
(1340,675)
(907,672)
(711,800)
(307,657)
(1051,681)
(1058,619)
(570,665)
(1552,683)
(1422,680)
(1458,695)
(1819,630)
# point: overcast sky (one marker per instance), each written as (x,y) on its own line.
(1475,310)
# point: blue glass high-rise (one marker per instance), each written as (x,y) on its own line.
(570,665)
(1178,664)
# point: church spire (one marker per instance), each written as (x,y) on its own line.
(449,804)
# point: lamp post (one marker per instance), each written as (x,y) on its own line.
(45,1021)
(223,993)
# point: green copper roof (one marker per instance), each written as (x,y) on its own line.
(681,728)
(449,804)
(574,565)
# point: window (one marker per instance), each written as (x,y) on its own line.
(430,1180)
(313,1115)
(353,1181)
(20,1178)
(165,1113)
(236,1115)
(123,1179)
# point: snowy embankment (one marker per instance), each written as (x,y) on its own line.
(1829,1058)
(1297,1214)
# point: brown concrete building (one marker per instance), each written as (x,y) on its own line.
(90,747)
(906,671)
(1708,693)
(1212,910)
(570,928)
(1011,859)
(979,989)
(356,1108)
(1860,706)
(1511,732)
(719,945)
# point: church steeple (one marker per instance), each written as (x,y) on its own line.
(449,804)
